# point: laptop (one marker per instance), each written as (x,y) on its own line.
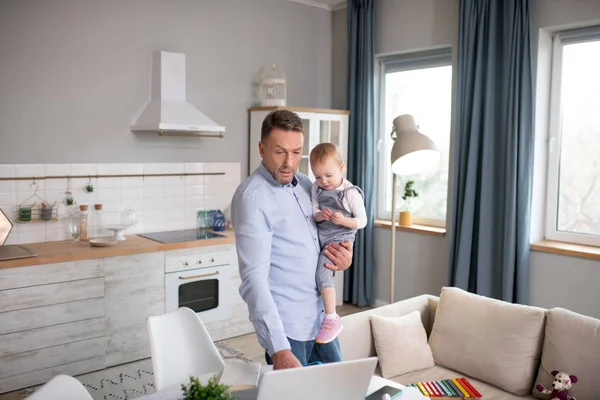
(13,251)
(346,380)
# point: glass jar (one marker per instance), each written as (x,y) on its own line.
(83,222)
(128,216)
(73,222)
(204,220)
(96,222)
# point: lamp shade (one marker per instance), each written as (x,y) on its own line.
(412,152)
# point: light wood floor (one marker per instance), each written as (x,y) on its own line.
(248,344)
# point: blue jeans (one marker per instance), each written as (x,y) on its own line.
(308,352)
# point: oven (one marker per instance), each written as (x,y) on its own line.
(200,282)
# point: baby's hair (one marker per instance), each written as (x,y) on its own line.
(323,152)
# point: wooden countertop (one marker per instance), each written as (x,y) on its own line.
(64,251)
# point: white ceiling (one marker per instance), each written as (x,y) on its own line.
(327,4)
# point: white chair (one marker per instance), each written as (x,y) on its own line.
(180,347)
(61,387)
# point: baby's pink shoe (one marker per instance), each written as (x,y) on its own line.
(330,329)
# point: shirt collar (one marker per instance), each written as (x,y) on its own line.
(267,175)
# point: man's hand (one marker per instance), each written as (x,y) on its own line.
(284,359)
(340,255)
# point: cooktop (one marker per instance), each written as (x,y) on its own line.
(187,235)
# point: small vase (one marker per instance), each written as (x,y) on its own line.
(46,214)
(405,218)
(25,214)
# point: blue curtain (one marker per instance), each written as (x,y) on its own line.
(493,150)
(359,278)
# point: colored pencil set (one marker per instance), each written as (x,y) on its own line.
(457,387)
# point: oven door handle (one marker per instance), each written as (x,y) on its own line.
(198,276)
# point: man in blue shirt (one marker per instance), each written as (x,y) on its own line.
(278,248)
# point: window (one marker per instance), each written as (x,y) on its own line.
(419,84)
(574,148)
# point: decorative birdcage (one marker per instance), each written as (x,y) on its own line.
(273,88)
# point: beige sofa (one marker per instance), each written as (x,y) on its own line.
(504,349)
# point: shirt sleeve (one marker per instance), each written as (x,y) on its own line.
(356,205)
(314,200)
(253,235)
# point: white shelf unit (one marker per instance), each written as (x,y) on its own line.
(320,126)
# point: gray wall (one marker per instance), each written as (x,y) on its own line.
(74,74)
(422,260)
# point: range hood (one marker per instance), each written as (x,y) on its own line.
(168,113)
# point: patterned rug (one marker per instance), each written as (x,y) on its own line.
(133,380)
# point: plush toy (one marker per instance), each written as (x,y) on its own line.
(560,387)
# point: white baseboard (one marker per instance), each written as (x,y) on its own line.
(379,303)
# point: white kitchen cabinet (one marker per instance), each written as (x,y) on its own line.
(51,321)
(320,126)
(134,290)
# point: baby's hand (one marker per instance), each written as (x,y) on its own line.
(327,214)
(337,218)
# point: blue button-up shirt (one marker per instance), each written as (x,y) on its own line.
(278,248)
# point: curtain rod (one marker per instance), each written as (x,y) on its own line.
(33,178)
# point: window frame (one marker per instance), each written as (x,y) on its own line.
(559,39)
(437,57)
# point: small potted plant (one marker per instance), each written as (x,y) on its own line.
(46,211)
(212,391)
(409,193)
(89,188)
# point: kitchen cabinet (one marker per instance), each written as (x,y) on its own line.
(76,317)
(134,289)
(51,321)
(320,126)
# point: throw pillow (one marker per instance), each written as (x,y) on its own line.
(488,339)
(571,345)
(401,344)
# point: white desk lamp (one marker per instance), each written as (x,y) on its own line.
(412,153)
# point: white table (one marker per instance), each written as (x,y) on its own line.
(377,382)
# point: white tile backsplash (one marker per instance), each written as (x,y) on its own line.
(160,203)
(7,171)
(23,170)
(83,169)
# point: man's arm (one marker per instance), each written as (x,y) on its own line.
(253,236)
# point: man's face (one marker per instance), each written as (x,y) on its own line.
(281,152)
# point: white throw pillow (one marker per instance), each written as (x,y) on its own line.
(401,344)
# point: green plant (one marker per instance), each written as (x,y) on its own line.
(70,200)
(212,391)
(409,191)
(89,188)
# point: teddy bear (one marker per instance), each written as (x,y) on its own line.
(560,387)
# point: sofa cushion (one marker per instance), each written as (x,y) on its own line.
(401,344)
(356,340)
(571,345)
(491,340)
(436,373)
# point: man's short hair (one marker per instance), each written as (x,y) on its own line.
(281,119)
